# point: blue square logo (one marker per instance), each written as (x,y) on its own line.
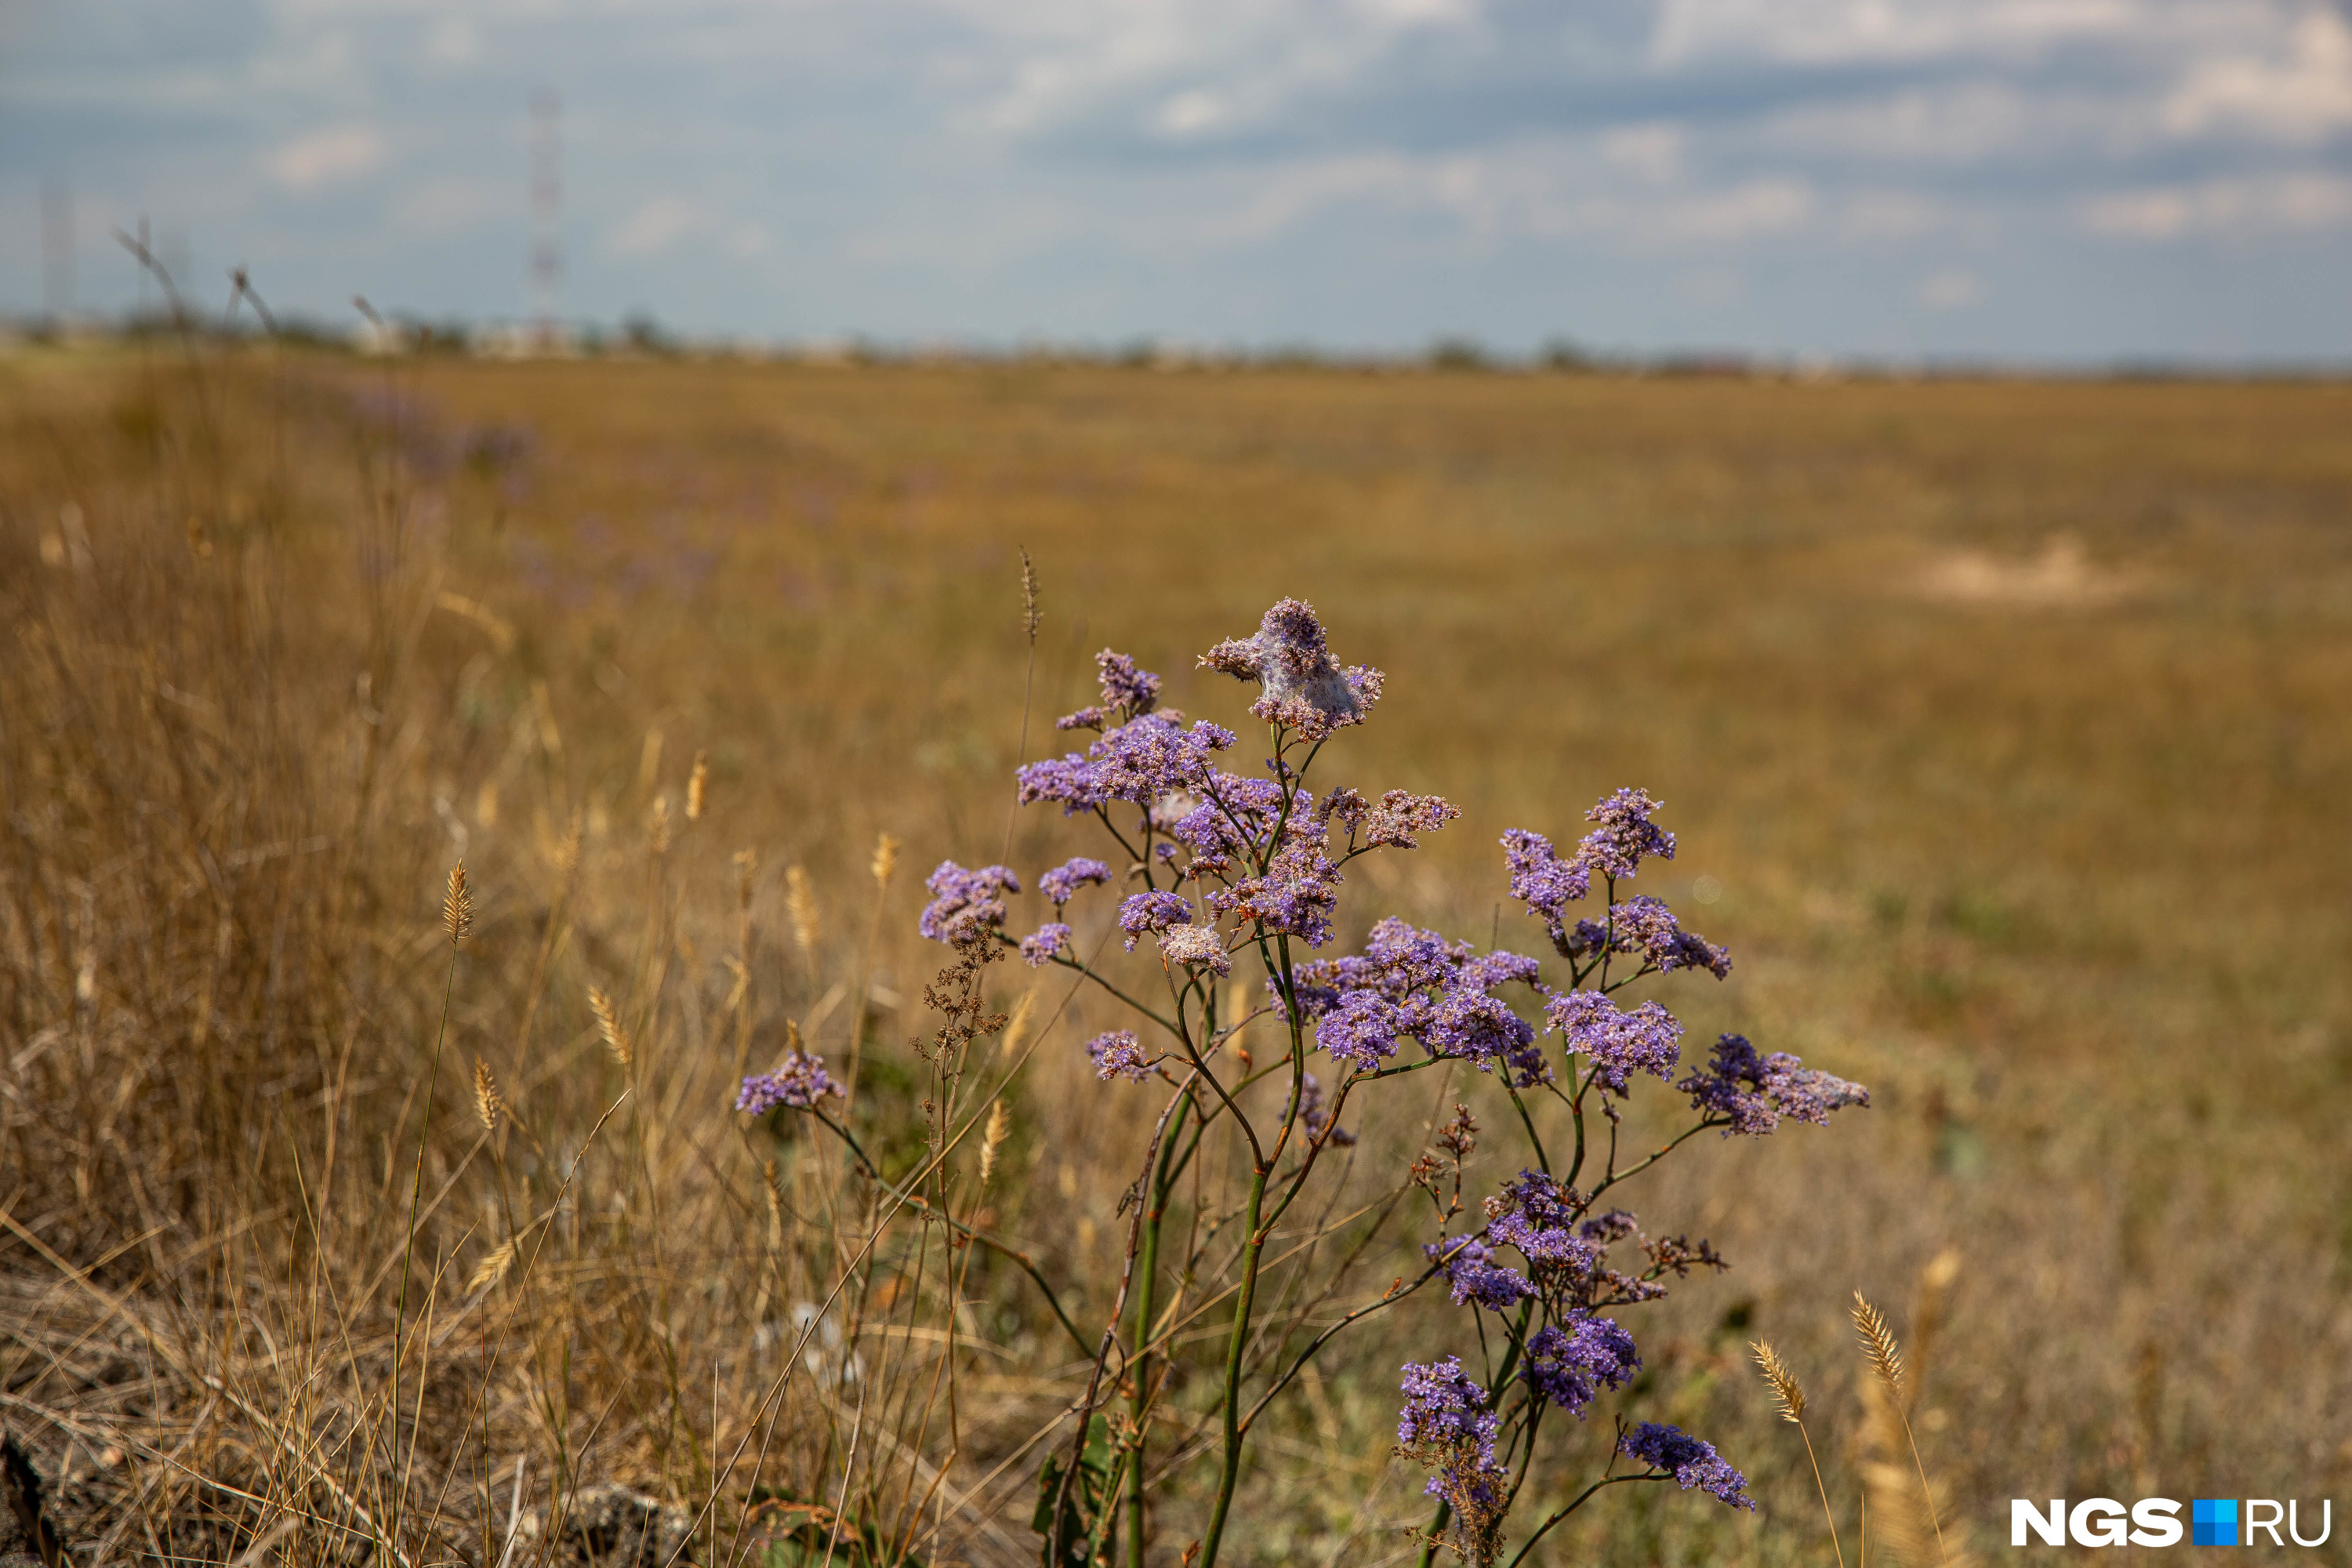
(2213,1521)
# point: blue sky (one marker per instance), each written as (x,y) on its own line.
(2053,181)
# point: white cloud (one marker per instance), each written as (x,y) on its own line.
(2298,91)
(2231,207)
(332,156)
(655,227)
(1821,32)
(1654,150)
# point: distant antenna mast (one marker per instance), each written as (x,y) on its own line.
(546,212)
(57,251)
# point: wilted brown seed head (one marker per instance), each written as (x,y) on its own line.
(457,906)
(1031,618)
(696,783)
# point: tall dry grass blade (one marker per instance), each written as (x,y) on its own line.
(1791,1396)
(1908,1517)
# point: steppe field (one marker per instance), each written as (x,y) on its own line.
(2005,728)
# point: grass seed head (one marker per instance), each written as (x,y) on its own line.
(800,907)
(493,1268)
(991,1138)
(457,906)
(1785,1386)
(487,1103)
(697,784)
(1878,1344)
(886,859)
(608,1024)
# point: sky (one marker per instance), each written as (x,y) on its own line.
(2052,181)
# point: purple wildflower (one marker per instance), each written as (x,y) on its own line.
(964,904)
(1201,947)
(1625,837)
(1647,1039)
(1542,880)
(1479,1027)
(1362,1028)
(1295,895)
(1645,925)
(1567,1365)
(1445,1424)
(1537,1216)
(1039,948)
(1469,1267)
(1290,659)
(1155,910)
(1062,883)
(1755,1092)
(1127,692)
(1116,1052)
(1693,1463)
(1139,762)
(799,1081)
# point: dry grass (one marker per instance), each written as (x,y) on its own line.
(2058,873)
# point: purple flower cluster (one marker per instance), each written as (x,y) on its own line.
(1691,1461)
(1645,925)
(1062,883)
(1626,836)
(1116,1052)
(965,904)
(1547,884)
(1299,887)
(1567,1365)
(1755,1092)
(800,1081)
(1446,1419)
(1410,983)
(1647,1039)
(1152,911)
(1289,658)
(1474,1276)
(1041,946)
(1139,762)
(1128,692)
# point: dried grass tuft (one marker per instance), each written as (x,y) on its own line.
(457,906)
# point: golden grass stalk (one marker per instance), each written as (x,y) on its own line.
(457,906)
(800,908)
(1792,1395)
(993,1137)
(1908,1515)
(487,1102)
(608,1024)
(492,1269)
(697,784)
